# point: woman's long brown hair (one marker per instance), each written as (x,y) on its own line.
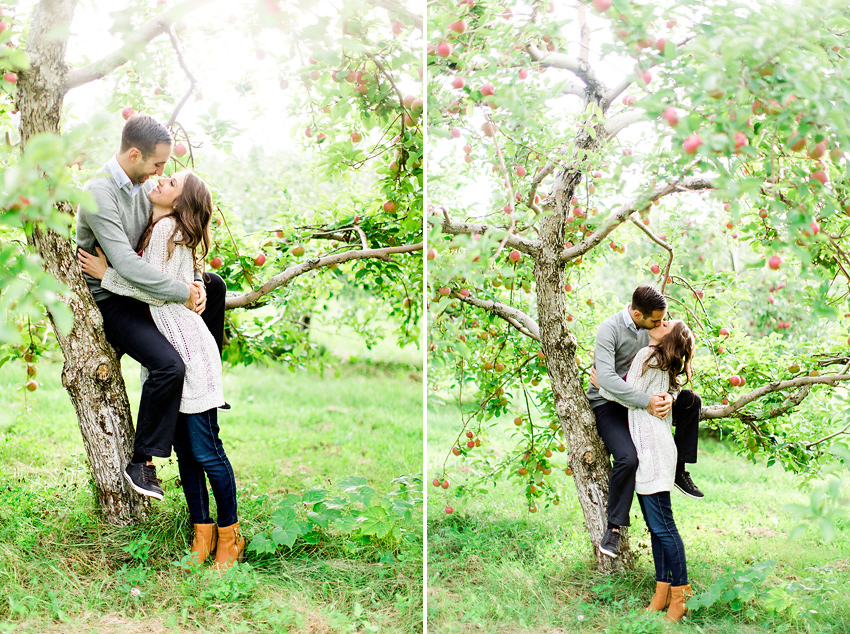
(673,353)
(192,214)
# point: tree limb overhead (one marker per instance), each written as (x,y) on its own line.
(515,317)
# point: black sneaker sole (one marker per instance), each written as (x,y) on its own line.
(690,495)
(140,490)
(608,553)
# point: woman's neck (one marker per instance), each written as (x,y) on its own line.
(159,211)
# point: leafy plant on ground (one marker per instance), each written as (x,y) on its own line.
(384,524)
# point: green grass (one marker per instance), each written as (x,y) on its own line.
(63,570)
(492,566)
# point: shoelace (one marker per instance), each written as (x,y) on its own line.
(149,474)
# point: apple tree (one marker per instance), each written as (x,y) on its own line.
(579,150)
(348,216)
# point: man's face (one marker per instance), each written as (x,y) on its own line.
(154,164)
(648,321)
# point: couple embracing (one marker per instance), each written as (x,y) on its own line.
(142,249)
(641,364)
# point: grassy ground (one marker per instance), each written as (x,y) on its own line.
(492,566)
(63,570)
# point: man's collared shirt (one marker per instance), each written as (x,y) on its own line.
(121,179)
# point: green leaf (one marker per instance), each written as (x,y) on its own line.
(314,495)
(375,521)
(286,535)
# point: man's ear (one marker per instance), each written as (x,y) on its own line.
(134,154)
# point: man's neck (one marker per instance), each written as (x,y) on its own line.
(124,163)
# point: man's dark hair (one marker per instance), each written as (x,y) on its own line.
(143,132)
(647,299)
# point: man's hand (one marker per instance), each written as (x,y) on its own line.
(194,297)
(659,405)
(201,305)
(593,380)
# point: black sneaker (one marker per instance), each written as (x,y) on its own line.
(142,477)
(225,407)
(684,483)
(610,544)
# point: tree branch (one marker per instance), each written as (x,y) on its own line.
(579,67)
(728,411)
(693,183)
(250,299)
(455,227)
(175,45)
(623,120)
(135,43)
(515,317)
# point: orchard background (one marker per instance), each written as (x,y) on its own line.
(577,150)
(306,122)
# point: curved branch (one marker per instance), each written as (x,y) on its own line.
(729,411)
(137,41)
(250,299)
(515,317)
(192,81)
(579,67)
(693,183)
(456,227)
(619,122)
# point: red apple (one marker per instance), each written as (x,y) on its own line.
(126,112)
(464,292)
(655,269)
(260,259)
(518,421)
(445,291)
(298,251)
(487,89)
(455,133)
(691,144)
(356,137)
(458,27)
(741,140)
(444,49)
(449,510)
(398,27)
(445,484)
(514,256)
(724,332)
(458,82)
(670,116)
(725,401)
(818,150)
(432,253)
(456,451)
(774,262)
(216,262)
(436,482)
(601,5)
(522,74)
(734,380)
(390,206)
(470,444)
(521,171)
(180,150)
(820,176)
(32,385)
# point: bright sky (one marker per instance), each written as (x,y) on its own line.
(218,62)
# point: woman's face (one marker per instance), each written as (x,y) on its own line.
(657,333)
(167,190)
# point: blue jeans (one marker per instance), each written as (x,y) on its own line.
(668,551)
(200,453)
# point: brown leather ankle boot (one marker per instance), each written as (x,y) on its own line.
(679,596)
(206,536)
(231,546)
(661,600)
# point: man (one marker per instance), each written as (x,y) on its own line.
(617,341)
(122,209)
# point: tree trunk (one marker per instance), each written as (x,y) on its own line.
(91,374)
(588,455)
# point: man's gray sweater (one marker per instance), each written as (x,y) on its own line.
(115,225)
(617,343)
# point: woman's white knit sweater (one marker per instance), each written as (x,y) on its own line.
(652,436)
(184,328)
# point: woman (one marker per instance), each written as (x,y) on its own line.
(176,241)
(657,368)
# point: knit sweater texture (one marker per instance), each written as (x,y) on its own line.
(184,328)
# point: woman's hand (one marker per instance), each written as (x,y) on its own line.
(93,265)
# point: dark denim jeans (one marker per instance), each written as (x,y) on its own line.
(668,551)
(199,453)
(612,423)
(129,327)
